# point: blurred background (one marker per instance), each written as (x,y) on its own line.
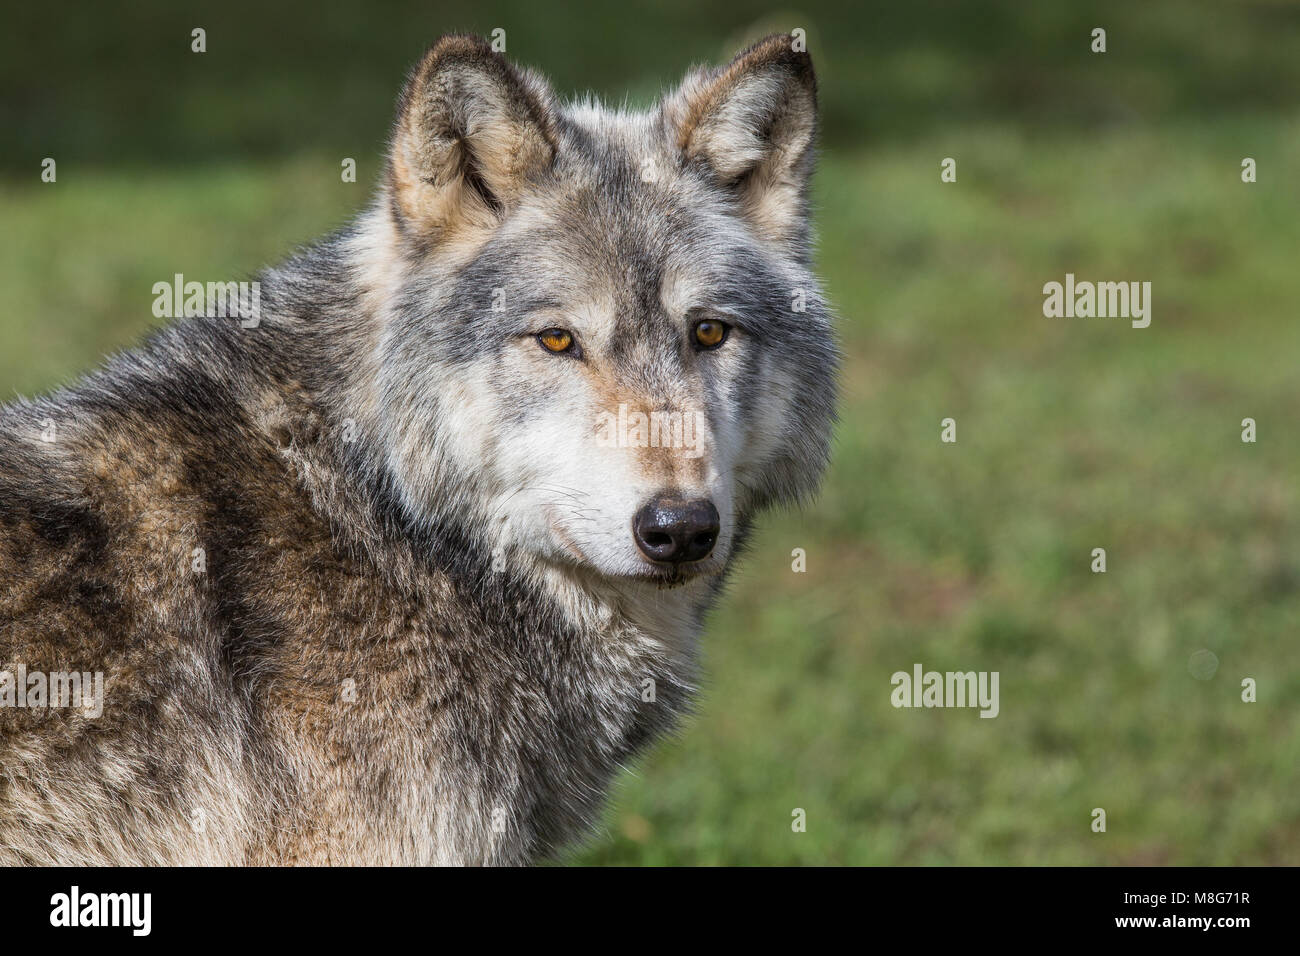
(1073,434)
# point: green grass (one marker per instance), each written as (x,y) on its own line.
(1072,434)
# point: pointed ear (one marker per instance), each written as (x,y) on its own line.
(751,125)
(472,133)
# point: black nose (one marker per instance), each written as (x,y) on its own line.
(669,529)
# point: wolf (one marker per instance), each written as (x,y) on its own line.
(363,585)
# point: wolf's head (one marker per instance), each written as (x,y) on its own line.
(602,344)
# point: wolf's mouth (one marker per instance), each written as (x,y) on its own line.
(673,579)
(669,577)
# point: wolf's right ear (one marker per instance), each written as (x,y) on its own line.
(472,131)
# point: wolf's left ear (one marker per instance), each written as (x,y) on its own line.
(472,132)
(751,124)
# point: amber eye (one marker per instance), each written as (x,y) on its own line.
(556,340)
(710,333)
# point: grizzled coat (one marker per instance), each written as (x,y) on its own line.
(361,585)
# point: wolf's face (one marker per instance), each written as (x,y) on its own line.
(605,342)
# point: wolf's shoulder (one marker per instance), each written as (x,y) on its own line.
(115,492)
